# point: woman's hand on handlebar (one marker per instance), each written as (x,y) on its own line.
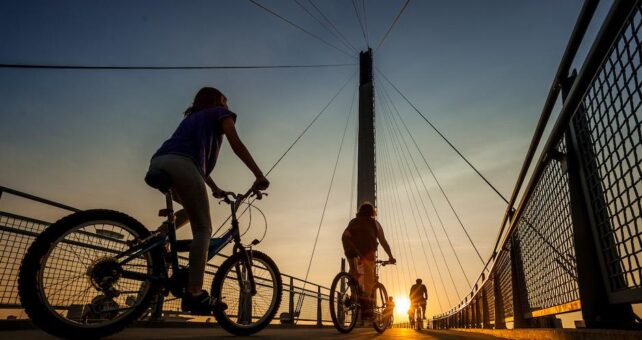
(261,183)
(219,193)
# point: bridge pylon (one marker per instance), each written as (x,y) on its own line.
(366,168)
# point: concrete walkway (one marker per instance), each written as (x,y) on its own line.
(271,333)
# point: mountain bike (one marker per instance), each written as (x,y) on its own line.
(345,302)
(92,273)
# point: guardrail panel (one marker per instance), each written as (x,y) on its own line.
(14,245)
(18,232)
(545,232)
(613,123)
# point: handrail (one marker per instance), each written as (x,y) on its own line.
(607,35)
(37,199)
(574,42)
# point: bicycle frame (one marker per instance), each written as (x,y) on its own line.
(233,234)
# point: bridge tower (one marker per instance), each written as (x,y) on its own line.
(366,170)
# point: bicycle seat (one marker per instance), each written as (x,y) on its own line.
(158,179)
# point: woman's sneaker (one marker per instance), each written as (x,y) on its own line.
(200,304)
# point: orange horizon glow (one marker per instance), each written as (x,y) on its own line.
(402,305)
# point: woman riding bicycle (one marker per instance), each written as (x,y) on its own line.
(188,157)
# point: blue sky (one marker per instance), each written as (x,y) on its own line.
(480,70)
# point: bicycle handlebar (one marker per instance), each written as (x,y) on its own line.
(231,197)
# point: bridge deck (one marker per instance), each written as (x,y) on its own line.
(207,333)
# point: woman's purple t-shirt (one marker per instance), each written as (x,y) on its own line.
(199,137)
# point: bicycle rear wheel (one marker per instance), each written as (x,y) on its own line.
(247,314)
(419,318)
(379,300)
(344,302)
(71,284)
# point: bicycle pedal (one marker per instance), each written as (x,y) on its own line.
(220,306)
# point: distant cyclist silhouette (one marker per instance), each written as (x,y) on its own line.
(360,246)
(188,157)
(419,295)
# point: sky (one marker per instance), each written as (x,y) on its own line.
(479,70)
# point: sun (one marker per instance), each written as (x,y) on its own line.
(402,305)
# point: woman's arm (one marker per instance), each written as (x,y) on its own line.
(384,242)
(216,191)
(229,129)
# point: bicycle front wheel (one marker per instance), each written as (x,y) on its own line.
(379,300)
(246,314)
(344,302)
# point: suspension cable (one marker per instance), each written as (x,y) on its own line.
(327,198)
(405,176)
(384,150)
(213,67)
(394,241)
(387,96)
(334,27)
(301,28)
(397,198)
(444,138)
(324,25)
(365,20)
(309,125)
(396,217)
(432,279)
(292,145)
(394,22)
(399,137)
(363,31)
(384,183)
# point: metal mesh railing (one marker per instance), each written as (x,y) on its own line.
(16,235)
(611,123)
(488,291)
(545,234)
(503,272)
(18,232)
(537,263)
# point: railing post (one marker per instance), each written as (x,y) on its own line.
(500,322)
(485,309)
(319,316)
(518,281)
(469,316)
(597,312)
(478,312)
(291,302)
